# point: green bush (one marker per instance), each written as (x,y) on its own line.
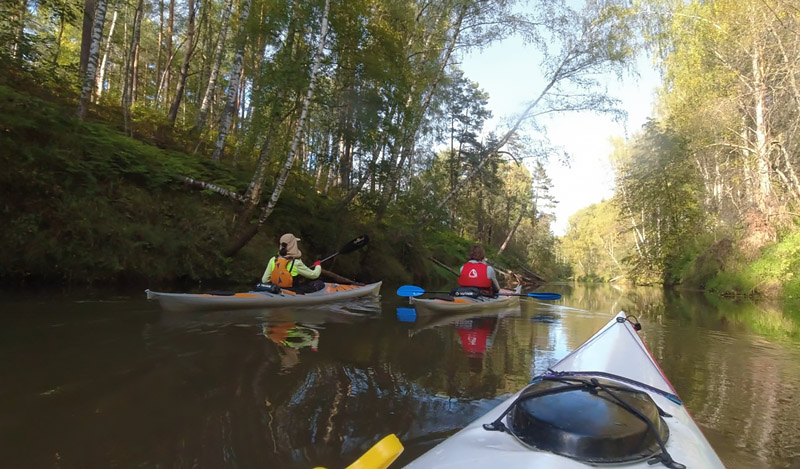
(700,268)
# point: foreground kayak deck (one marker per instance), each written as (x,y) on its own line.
(466,304)
(332,292)
(615,353)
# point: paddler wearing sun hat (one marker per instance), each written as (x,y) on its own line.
(288,271)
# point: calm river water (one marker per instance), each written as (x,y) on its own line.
(114,382)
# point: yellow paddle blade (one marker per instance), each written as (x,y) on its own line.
(380,456)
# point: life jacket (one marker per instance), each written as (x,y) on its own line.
(473,274)
(282,272)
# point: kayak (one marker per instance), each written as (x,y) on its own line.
(467,304)
(333,292)
(608,403)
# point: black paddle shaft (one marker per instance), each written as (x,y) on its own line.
(351,246)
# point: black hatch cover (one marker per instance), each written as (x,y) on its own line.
(587,423)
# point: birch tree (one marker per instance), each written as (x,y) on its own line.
(266,211)
(187,57)
(12,29)
(101,75)
(130,68)
(576,45)
(214,74)
(660,189)
(233,84)
(89,9)
(91,67)
(414,112)
(167,74)
(732,90)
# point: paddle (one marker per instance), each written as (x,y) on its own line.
(413,290)
(351,246)
(406,314)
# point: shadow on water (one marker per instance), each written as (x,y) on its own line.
(118,383)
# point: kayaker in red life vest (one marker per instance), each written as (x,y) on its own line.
(476,273)
(287,270)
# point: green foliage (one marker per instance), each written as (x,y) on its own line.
(725,63)
(387,92)
(595,244)
(82,203)
(772,274)
(658,191)
(701,265)
(791,293)
(732,284)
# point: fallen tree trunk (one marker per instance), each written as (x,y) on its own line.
(443,265)
(338,278)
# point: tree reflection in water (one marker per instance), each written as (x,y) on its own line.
(210,390)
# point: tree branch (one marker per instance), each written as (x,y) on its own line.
(213,187)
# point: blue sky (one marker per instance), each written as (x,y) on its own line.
(508,71)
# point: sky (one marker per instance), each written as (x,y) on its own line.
(504,73)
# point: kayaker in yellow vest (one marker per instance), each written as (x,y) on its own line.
(287,270)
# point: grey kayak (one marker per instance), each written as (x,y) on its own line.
(333,292)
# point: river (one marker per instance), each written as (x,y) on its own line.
(109,380)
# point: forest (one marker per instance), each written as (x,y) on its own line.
(706,192)
(175,140)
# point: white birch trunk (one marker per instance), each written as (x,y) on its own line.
(409,143)
(91,65)
(233,87)
(159,43)
(212,79)
(298,135)
(243,238)
(102,74)
(763,182)
(213,187)
(513,230)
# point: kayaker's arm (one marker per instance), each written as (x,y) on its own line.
(490,272)
(303,270)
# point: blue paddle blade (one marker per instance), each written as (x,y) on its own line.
(545,296)
(410,290)
(406,314)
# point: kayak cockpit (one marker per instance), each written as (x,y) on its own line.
(592,420)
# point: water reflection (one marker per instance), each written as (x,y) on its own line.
(290,338)
(475,333)
(245,388)
(354,311)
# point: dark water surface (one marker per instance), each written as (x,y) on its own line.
(117,383)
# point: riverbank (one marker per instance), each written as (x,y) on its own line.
(772,273)
(84,204)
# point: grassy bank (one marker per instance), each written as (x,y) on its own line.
(725,270)
(84,204)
